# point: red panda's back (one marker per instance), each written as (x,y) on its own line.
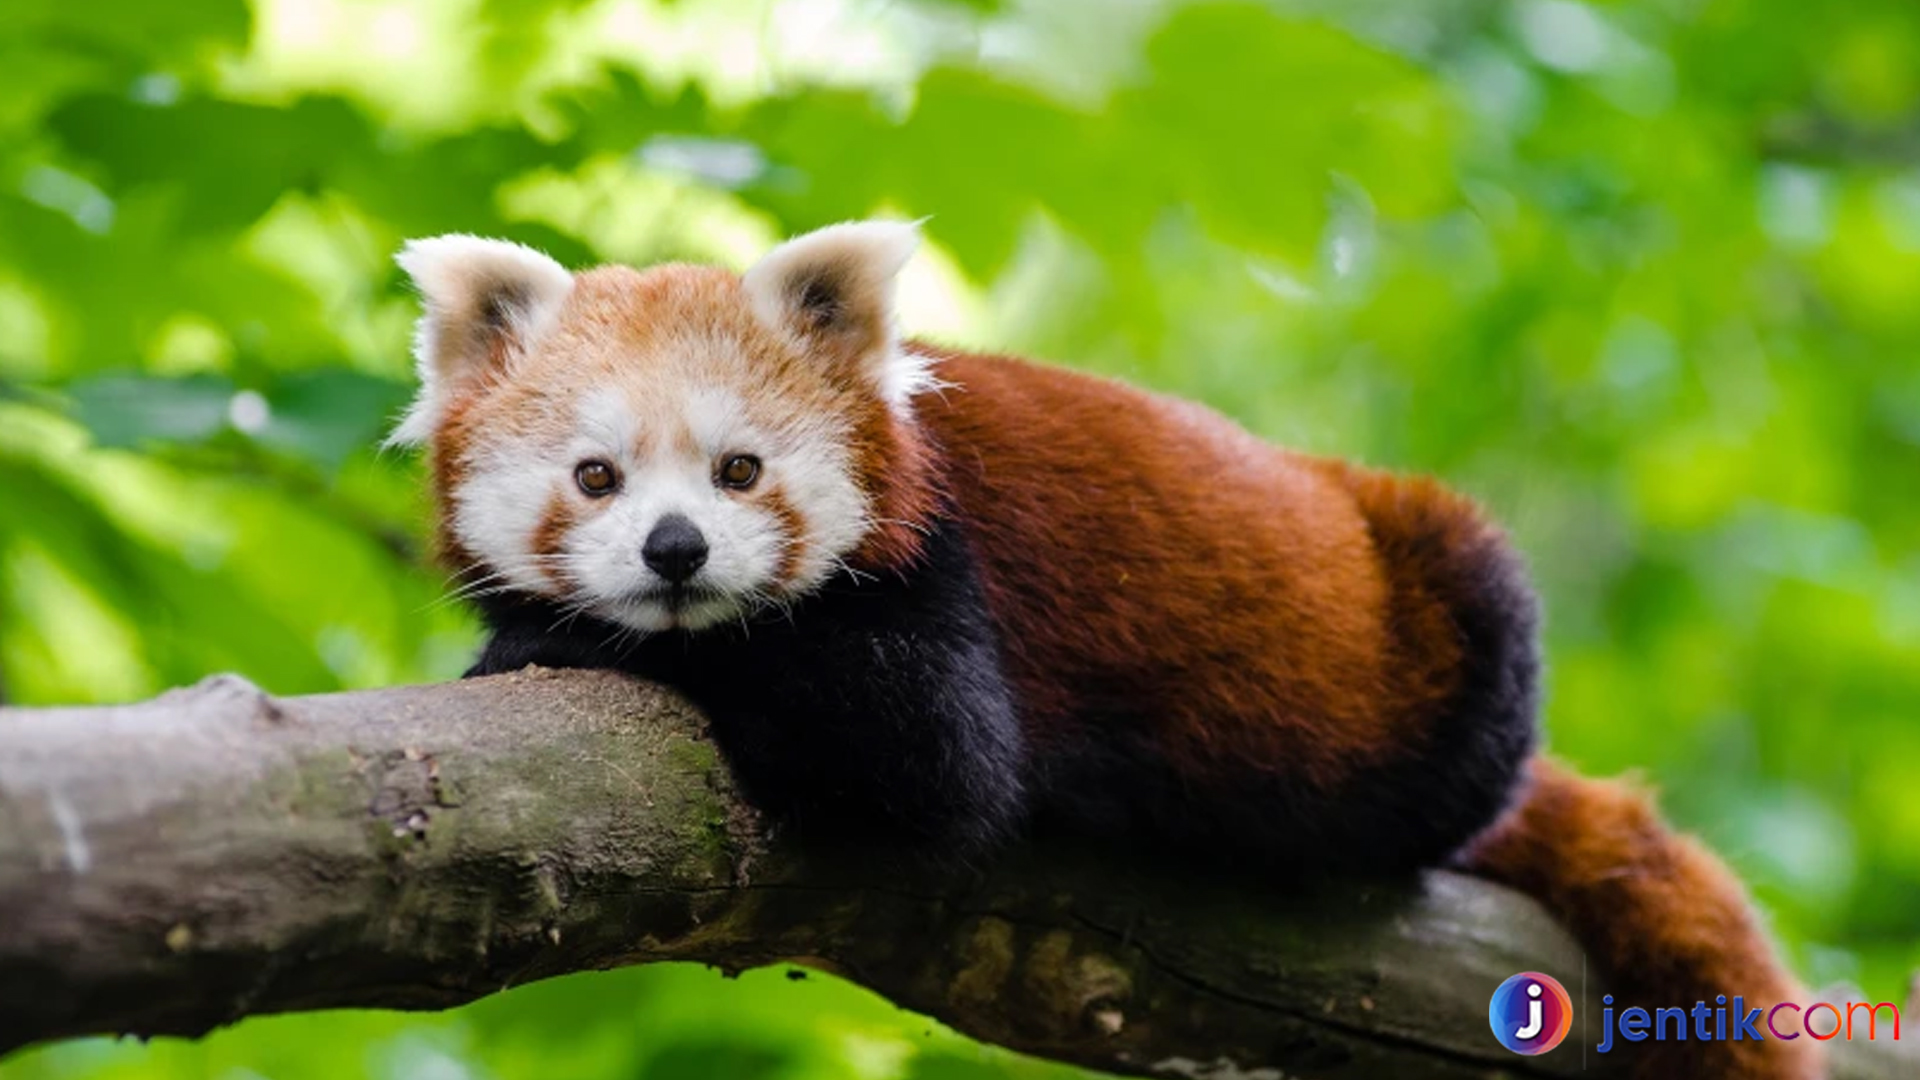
(1150,563)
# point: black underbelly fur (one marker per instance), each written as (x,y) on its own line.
(873,710)
(877,712)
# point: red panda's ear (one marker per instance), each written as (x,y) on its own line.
(484,302)
(833,288)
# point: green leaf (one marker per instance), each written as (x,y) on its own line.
(133,410)
(327,415)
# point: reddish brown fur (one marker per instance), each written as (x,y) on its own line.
(447,464)
(1144,557)
(1208,547)
(896,469)
(549,540)
(1669,922)
(1126,537)
(782,509)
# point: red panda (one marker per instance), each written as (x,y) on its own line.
(941,598)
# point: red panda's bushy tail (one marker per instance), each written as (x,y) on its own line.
(1665,920)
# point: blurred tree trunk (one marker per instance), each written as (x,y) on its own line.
(172,866)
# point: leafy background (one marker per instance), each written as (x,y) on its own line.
(1644,276)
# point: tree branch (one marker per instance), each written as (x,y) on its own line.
(172,866)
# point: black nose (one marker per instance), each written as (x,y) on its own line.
(675,549)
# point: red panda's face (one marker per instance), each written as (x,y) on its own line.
(669,448)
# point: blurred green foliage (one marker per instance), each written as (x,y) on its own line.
(1645,276)
(672,1022)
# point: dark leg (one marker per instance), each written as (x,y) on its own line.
(874,712)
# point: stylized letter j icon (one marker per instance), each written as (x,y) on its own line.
(1534,1022)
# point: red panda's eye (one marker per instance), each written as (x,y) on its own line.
(595,477)
(740,471)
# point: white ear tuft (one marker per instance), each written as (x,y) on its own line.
(854,256)
(833,288)
(485,302)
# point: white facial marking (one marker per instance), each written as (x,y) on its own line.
(664,416)
(498,510)
(667,459)
(816,473)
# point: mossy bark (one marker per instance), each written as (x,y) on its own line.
(172,866)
